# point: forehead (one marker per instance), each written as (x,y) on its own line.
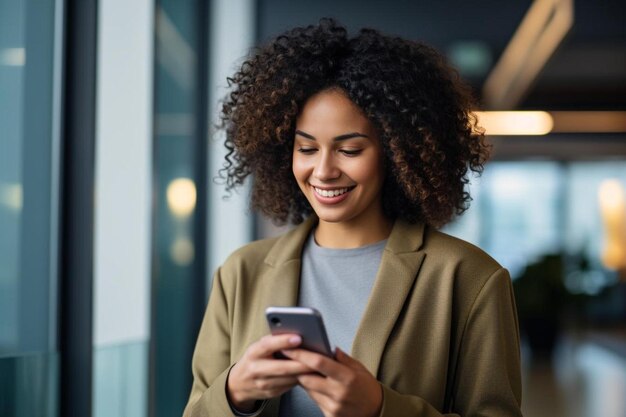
(331,110)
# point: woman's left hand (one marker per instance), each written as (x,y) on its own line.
(343,387)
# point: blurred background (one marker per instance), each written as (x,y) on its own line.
(111,222)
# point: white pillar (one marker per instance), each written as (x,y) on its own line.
(232,34)
(123,207)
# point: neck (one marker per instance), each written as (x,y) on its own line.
(347,236)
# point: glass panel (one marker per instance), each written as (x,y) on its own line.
(524,210)
(515,214)
(29,72)
(121,378)
(29,385)
(178,300)
(12,60)
(586,230)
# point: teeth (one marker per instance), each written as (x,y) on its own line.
(330,193)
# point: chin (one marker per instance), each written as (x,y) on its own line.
(330,219)
(327,217)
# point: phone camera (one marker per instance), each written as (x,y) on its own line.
(275,321)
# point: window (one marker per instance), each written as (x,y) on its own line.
(29,161)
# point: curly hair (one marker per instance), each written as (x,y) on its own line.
(417,103)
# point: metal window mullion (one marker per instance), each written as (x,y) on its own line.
(77,208)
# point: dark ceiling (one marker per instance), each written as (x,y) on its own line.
(587,71)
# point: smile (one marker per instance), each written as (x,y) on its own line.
(331,193)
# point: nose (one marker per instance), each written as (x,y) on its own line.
(326,168)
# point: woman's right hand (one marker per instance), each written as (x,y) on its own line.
(258,375)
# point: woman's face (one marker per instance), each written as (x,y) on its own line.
(337,160)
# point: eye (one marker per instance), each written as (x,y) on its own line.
(351,152)
(305,150)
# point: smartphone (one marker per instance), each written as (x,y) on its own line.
(304,321)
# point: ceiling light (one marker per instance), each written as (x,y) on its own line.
(589,121)
(539,34)
(515,122)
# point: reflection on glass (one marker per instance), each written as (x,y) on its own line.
(181,197)
(28,199)
(182,251)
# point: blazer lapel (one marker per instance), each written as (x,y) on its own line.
(282,280)
(283,284)
(398,270)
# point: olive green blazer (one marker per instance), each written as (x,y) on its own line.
(439,330)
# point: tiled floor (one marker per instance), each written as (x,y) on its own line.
(585,379)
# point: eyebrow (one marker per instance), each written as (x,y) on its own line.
(336,138)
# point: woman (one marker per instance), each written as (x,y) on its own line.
(366,143)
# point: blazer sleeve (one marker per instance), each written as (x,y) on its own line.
(211,359)
(487,378)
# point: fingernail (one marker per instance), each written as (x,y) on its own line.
(295,340)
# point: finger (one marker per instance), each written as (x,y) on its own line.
(329,387)
(280,367)
(273,387)
(274,383)
(269,344)
(315,361)
(344,358)
(315,383)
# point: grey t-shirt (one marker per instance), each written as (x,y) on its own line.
(337,282)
